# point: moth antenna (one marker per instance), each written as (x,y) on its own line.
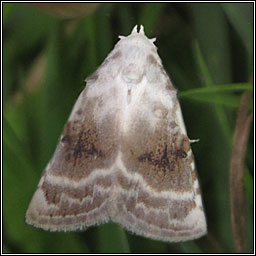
(142,30)
(193,141)
(134,31)
(152,40)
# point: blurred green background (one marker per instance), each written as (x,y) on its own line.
(48,51)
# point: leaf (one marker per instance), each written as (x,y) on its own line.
(112,239)
(217,94)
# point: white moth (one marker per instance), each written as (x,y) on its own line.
(124,155)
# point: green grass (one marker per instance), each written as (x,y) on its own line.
(207,51)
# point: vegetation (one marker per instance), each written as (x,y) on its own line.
(206,48)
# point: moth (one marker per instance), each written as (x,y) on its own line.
(124,155)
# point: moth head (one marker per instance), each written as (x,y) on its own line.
(138,39)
